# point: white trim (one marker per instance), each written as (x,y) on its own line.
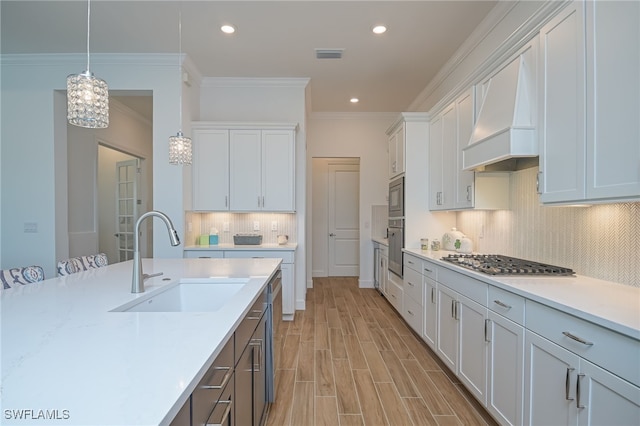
(254,82)
(163,59)
(114,104)
(239,125)
(353,115)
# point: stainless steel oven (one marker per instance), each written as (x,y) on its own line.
(396,198)
(396,244)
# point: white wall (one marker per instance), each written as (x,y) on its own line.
(361,136)
(33,144)
(267,100)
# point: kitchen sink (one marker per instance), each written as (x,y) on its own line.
(188,295)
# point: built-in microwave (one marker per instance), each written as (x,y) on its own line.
(396,198)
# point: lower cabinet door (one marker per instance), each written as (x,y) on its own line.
(550,383)
(430,313)
(606,399)
(473,347)
(244,388)
(505,391)
(447,342)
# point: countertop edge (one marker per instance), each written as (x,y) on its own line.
(548,300)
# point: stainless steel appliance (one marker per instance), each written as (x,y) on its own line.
(396,244)
(396,198)
(495,264)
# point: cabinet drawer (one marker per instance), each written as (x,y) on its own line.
(249,323)
(384,251)
(412,262)
(430,270)
(285,255)
(193,254)
(612,351)
(412,313)
(394,293)
(475,290)
(507,304)
(412,283)
(213,383)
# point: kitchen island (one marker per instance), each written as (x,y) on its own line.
(69,358)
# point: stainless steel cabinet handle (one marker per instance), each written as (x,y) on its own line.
(410,283)
(394,296)
(577,339)
(457,310)
(257,343)
(409,312)
(468,192)
(333,235)
(409,262)
(486,328)
(567,384)
(225,379)
(225,415)
(580,376)
(538,190)
(504,305)
(255,311)
(428,270)
(433,290)
(453,303)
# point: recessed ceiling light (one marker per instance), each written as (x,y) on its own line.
(228,29)
(379,29)
(354,100)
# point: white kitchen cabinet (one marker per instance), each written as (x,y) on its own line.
(590,104)
(243,167)
(447,341)
(430,333)
(413,293)
(450,187)
(397,151)
(210,169)
(262,172)
(384,269)
(577,372)
(473,346)
(505,373)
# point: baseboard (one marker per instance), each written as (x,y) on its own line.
(365,283)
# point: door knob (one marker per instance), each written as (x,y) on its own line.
(332,234)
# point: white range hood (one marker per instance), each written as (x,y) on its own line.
(504,130)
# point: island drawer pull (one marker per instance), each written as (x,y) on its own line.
(577,339)
(504,305)
(225,379)
(567,384)
(225,415)
(257,343)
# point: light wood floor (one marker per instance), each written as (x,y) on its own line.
(349,359)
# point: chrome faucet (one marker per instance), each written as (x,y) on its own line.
(137,283)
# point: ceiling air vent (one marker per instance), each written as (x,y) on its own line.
(329,53)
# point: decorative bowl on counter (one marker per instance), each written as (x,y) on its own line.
(449,239)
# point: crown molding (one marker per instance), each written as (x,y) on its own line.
(96,58)
(353,115)
(254,82)
(114,104)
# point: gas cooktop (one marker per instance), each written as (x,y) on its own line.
(496,264)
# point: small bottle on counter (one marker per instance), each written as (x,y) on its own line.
(424,244)
(435,245)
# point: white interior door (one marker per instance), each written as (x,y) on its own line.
(127,173)
(344,223)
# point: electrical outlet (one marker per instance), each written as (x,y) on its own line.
(225,226)
(31,227)
(256,225)
(274,225)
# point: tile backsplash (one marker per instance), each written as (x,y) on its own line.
(600,241)
(239,223)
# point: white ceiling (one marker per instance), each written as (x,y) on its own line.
(273,39)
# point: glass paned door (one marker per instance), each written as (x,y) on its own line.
(127,173)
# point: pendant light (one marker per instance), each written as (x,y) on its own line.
(180,145)
(87,95)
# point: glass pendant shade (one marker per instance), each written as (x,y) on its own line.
(87,101)
(180,149)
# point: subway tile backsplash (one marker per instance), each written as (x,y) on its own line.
(600,241)
(239,223)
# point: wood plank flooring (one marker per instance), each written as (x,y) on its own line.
(349,359)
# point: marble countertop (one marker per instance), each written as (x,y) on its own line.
(220,247)
(66,356)
(611,305)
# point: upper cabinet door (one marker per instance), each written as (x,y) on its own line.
(278,171)
(613,99)
(464,179)
(562,125)
(245,162)
(435,163)
(210,169)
